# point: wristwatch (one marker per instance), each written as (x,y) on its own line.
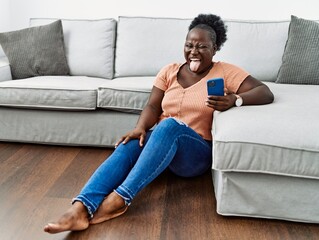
(239,100)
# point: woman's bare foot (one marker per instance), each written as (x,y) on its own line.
(112,207)
(75,219)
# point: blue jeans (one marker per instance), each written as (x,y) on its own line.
(130,167)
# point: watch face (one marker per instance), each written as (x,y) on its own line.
(239,102)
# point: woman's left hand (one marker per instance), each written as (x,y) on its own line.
(221,103)
(252,91)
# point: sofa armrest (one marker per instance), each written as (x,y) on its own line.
(5,71)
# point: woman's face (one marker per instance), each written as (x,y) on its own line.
(199,50)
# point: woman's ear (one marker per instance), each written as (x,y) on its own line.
(214,49)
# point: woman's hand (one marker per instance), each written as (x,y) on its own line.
(221,103)
(252,91)
(147,119)
(134,134)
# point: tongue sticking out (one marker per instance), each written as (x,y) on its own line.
(194,65)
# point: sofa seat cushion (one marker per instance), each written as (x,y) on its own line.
(279,138)
(51,92)
(129,94)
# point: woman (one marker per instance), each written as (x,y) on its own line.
(181,140)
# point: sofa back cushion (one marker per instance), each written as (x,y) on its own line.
(300,60)
(36,51)
(89,45)
(2,54)
(145,45)
(5,71)
(256,46)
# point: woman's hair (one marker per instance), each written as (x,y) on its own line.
(213,24)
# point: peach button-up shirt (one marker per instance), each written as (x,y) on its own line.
(188,104)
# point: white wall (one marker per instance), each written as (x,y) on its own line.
(4,15)
(22,10)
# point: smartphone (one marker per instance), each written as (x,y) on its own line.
(215,87)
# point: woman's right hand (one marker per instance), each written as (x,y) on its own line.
(148,118)
(134,134)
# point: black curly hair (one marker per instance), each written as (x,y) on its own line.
(212,23)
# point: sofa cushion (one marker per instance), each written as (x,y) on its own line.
(5,71)
(129,94)
(89,45)
(256,46)
(145,44)
(300,64)
(36,51)
(279,138)
(51,92)
(2,54)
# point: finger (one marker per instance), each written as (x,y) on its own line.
(216,98)
(222,106)
(211,102)
(119,141)
(126,140)
(142,138)
(208,104)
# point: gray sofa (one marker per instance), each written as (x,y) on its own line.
(266,158)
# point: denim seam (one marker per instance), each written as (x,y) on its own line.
(126,200)
(86,203)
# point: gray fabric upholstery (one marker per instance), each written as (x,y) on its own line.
(5,72)
(2,54)
(300,62)
(256,46)
(51,92)
(129,94)
(89,45)
(36,51)
(267,196)
(145,44)
(275,139)
(87,128)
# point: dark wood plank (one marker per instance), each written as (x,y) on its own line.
(191,206)
(37,183)
(78,172)
(38,167)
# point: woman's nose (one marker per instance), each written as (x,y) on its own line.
(194,49)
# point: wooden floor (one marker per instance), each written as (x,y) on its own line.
(37,183)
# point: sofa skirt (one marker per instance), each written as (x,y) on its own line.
(101,128)
(266,196)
